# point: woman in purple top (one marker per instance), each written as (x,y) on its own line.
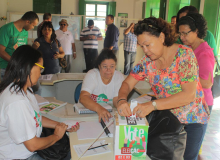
(192,30)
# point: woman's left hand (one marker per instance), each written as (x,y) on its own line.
(57,55)
(74,128)
(143,109)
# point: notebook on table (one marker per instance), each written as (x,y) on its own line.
(82,110)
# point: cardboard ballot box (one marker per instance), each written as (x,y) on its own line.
(131,135)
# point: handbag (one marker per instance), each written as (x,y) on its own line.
(57,151)
(62,61)
(216,83)
(166,136)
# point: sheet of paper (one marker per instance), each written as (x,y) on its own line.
(91,129)
(151,93)
(82,147)
(70,123)
(47,77)
(133,105)
(41,100)
(142,99)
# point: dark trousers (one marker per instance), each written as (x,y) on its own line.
(115,51)
(90,57)
(195,135)
(129,61)
(68,61)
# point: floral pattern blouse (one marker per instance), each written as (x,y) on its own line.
(167,82)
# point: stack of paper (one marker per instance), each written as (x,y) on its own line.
(51,107)
(82,110)
(99,150)
(41,100)
(47,77)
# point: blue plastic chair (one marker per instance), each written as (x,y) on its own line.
(77,92)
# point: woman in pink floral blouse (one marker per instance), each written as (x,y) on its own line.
(172,71)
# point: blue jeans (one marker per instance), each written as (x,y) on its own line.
(37,157)
(195,135)
(129,61)
(210,109)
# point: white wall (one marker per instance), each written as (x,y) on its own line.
(3,11)
(20,5)
(132,7)
(68,6)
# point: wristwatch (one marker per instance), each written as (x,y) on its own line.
(155,105)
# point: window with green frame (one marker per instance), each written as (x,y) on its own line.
(184,3)
(97,12)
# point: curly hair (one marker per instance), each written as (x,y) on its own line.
(194,21)
(155,26)
(49,25)
(186,9)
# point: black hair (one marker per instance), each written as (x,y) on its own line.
(19,67)
(46,16)
(155,26)
(111,16)
(90,22)
(194,21)
(30,16)
(173,17)
(105,54)
(49,25)
(186,9)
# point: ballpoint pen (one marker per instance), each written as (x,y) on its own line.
(98,146)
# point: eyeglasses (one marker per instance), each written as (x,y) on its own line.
(108,68)
(42,68)
(63,24)
(184,34)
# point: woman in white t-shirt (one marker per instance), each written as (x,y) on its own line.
(102,84)
(20,118)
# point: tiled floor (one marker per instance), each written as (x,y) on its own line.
(211,143)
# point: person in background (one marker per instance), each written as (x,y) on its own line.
(192,30)
(13,35)
(130,47)
(67,42)
(173,21)
(209,38)
(20,119)
(101,84)
(173,74)
(90,36)
(46,18)
(111,35)
(50,47)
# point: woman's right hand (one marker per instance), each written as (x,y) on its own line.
(36,45)
(60,130)
(124,108)
(104,114)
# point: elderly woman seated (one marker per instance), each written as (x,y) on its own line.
(101,84)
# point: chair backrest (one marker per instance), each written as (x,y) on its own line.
(77,92)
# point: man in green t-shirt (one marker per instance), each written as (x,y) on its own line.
(13,35)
